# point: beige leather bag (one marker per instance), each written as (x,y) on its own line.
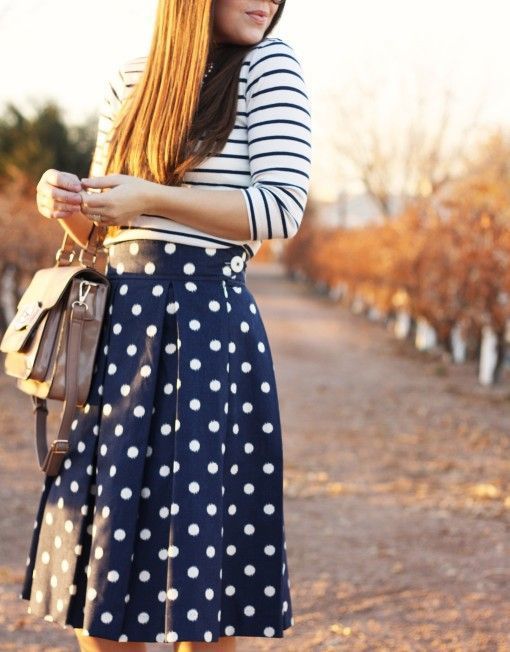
(51,343)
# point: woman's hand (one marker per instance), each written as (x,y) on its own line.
(58,194)
(126,200)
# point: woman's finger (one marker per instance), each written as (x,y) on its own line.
(64,180)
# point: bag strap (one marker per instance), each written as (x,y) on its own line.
(87,255)
(50,460)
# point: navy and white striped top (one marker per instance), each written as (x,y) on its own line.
(267,155)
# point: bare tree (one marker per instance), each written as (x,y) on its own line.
(411,159)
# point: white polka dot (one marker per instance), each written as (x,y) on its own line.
(123,289)
(157,290)
(172,307)
(215,385)
(249,610)
(209,594)
(268,508)
(117,328)
(145,534)
(195,364)
(210,551)
(173,551)
(247,407)
(126,493)
(151,330)
(208,636)
(268,467)
(133,452)
(194,487)
(98,552)
(248,488)
(172,594)
(194,324)
(193,571)
(261,347)
(113,576)
(118,430)
(168,388)
(190,286)
(268,631)
(194,445)
(164,470)
(214,305)
(107,409)
(214,426)
(136,309)
(248,448)
(170,248)
(267,427)
(188,268)
(166,429)
(269,550)
(144,576)
(215,345)
(131,349)
(232,509)
(74,486)
(45,557)
(57,542)
(133,248)
(194,404)
(245,327)
(150,268)
(106,617)
(231,550)
(212,467)
(143,617)
(91,593)
(249,569)
(139,411)
(229,629)
(269,591)
(245,367)
(193,529)
(192,614)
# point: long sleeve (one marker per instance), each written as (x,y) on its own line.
(109,108)
(279,141)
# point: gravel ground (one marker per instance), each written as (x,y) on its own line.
(397,490)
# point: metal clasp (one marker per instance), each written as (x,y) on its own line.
(83,292)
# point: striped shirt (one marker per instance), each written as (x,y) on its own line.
(267,155)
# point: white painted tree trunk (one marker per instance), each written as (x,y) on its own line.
(488,356)
(357,305)
(425,335)
(8,293)
(402,324)
(458,344)
(375,314)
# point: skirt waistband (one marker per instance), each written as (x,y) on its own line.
(159,258)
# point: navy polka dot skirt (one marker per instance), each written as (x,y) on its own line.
(165,522)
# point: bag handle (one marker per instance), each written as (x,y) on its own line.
(87,255)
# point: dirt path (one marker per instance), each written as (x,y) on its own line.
(397,483)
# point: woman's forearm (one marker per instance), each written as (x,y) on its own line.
(218,212)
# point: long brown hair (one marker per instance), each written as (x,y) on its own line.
(172,120)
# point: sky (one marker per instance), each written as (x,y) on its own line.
(65,50)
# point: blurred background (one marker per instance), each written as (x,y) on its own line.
(389,310)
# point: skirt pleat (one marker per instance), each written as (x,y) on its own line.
(165,522)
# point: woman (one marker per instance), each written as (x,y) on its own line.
(165,522)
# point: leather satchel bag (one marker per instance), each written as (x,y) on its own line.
(52,341)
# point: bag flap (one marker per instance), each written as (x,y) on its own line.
(44,291)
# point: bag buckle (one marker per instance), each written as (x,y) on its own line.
(56,453)
(83,291)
